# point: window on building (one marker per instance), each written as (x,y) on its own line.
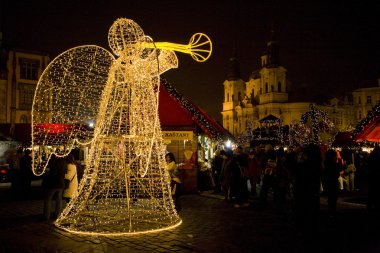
(261,91)
(272,88)
(279,87)
(360,115)
(369,100)
(266,87)
(26,96)
(228,97)
(359,100)
(29,69)
(24,119)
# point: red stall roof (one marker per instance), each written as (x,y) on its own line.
(177,110)
(368,129)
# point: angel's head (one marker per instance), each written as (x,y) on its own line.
(126,38)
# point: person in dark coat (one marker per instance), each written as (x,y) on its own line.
(307,189)
(26,173)
(54,185)
(373,171)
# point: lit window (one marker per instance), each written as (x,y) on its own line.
(24,119)
(26,96)
(29,69)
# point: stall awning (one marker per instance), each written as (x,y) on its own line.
(177,110)
(368,129)
(370,132)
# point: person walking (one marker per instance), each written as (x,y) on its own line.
(268,178)
(240,177)
(71,176)
(332,173)
(175,181)
(307,189)
(14,165)
(26,174)
(216,168)
(53,185)
(254,170)
(225,175)
(373,171)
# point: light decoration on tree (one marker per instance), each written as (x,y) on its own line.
(299,134)
(322,128)
(125,188)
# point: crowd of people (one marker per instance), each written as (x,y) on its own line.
(295,177)
(59,182)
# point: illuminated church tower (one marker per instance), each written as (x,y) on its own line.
(265,93)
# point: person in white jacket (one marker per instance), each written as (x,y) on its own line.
(72,177)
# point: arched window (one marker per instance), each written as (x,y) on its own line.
(279,87)
(266,87)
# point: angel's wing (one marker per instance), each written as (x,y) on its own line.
(66,102)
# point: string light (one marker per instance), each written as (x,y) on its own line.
(87,97)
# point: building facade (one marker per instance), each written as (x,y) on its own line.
(19,74)
(266,93)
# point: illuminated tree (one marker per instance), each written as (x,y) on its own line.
(125,188)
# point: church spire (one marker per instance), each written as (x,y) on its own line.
(272,51)
(233,67)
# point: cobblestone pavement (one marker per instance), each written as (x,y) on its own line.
(209,225)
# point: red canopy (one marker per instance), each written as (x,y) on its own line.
(370,132)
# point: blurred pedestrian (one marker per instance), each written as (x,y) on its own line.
(15,172)
(280,181)
(268,177)
(53,185)
(175,180)
(307,189)
(26,174)
(332,173)
(239,177)
(216,168)
(225,175)
(71,176)
(254,169)
(372,165)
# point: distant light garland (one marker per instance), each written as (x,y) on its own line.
(125,187)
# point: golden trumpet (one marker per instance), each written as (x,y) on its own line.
(199,47)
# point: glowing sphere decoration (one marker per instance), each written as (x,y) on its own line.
(86,96)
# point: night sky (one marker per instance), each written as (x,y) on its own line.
(327,48)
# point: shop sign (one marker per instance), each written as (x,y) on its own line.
(177,135)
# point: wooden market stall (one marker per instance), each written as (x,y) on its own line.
(189,133)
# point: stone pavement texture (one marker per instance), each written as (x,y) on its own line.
(209,225)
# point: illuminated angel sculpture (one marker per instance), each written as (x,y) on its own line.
(125,188)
